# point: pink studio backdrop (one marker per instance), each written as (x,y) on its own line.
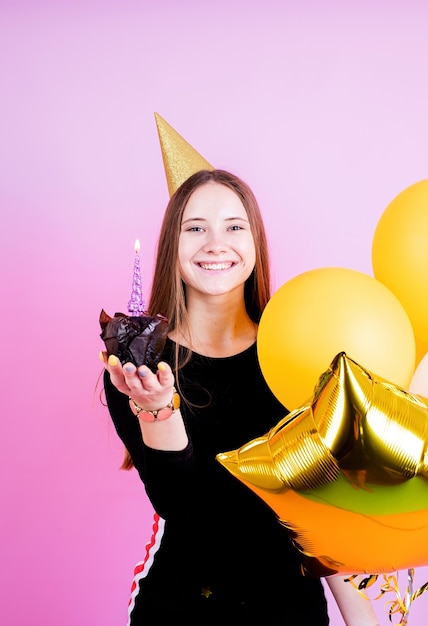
(321,107)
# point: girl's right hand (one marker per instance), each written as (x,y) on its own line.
(149,390)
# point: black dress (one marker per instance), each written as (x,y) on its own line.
(218,554)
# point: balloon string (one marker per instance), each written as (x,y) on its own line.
(399,605)
(408,598)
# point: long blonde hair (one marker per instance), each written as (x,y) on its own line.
(168,295)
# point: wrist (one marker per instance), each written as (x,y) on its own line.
(156,415)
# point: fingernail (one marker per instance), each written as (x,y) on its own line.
(128,368)
(113,360)
(161,367)
(142,373)
(101,355)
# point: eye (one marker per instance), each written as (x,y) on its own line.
(236,227)
(195,229)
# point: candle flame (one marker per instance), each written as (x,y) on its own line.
(137,246)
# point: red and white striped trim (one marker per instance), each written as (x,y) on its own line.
(143,567)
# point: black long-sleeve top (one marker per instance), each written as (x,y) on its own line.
(216,537)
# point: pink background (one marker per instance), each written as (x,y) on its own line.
(320,106)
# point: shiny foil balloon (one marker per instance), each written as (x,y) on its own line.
(347,474)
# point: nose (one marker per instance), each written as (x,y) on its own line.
(214,243)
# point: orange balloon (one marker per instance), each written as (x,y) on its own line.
(347,474)
(400,253)
(323,312)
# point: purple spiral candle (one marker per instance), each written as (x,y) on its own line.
(136,304)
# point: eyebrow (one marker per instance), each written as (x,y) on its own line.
(203,219)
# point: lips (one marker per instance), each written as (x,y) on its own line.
(215,267)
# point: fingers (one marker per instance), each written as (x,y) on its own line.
(148,389)
(151,390)
(103,356)
(117,377)
(150,381)
(165,375)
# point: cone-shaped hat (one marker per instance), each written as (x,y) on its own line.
(179,158)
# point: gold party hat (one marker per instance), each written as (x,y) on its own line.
(179,158)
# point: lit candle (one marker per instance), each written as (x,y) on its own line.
(136,303)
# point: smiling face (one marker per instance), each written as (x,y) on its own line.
(216,247)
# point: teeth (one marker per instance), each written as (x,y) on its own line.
(215,266)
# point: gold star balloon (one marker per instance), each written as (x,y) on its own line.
(346,474)
(179,158)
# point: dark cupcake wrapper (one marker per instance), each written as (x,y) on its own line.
(134,339)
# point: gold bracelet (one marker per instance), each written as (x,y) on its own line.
(158,415)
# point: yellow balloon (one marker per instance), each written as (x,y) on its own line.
(421,350)
(400,253)
(326,311)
